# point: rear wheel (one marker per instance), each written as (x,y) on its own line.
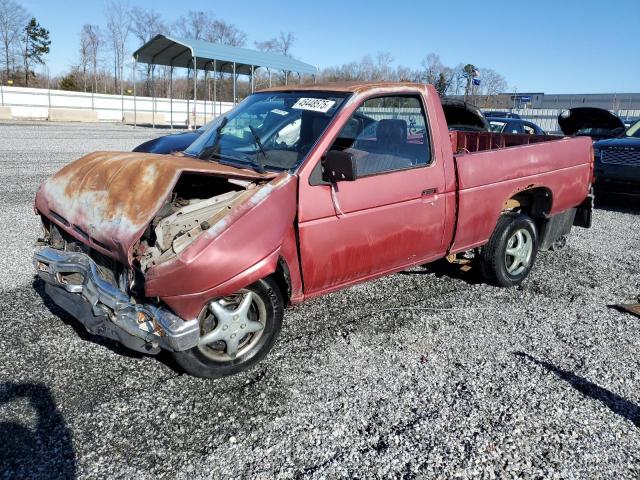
(236,331)
(509,255)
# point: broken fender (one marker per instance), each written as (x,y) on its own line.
(250,232)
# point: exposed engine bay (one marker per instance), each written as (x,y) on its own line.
(197,204)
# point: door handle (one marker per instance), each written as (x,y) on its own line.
(429,191)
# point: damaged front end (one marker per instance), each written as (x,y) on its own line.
(74,282)
(187,215)
(112,222)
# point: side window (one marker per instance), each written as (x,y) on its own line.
(386,134)
(513,127)
(528,129)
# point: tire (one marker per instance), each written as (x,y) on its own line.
(213,360)
(515,232)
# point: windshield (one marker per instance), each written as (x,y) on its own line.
(497,126)
(633,130)
(273,130)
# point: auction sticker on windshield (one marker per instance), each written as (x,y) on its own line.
(314,104)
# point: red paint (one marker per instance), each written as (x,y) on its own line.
(388,222)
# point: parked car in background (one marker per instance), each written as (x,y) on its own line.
(596,123)
(464,116)
(628,121)
(300,191)
(175,142)
(617,163)
(514,125)
(497,114)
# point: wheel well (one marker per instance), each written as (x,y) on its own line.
(283,280)
(535,202)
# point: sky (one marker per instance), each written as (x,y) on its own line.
(561,46)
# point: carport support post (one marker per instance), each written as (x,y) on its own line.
(214,89)
(252,75)
(195,90)
(153,97)
(171,96)
(206,93)
(135,112)
(269,78)
(234,83)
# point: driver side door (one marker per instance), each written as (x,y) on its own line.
(391,216)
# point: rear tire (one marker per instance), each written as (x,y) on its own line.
(508,257)
(220,358)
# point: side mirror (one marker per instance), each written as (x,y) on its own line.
(339,166)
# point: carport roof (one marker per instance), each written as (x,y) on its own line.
(164,50)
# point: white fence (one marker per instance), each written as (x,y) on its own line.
(34,103)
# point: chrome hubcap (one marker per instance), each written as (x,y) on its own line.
(519,252)
(231,326)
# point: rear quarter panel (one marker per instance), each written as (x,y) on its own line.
(486,180)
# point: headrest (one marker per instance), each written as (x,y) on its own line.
(318,125)
(391,131)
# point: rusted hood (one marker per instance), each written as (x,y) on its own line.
(107,199)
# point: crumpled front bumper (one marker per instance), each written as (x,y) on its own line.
(73,282)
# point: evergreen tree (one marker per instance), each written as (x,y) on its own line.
(36,44)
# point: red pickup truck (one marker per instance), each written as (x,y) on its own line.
(299,191)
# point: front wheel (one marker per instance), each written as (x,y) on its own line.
(511,251)
(236,332)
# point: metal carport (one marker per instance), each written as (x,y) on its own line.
(211,57)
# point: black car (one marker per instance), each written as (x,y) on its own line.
(495,114)
(596,123)
(175,142)
(514,125)
(617,163)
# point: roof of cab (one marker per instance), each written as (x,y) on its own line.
(349,87)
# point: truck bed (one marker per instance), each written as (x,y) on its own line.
(470,142)
(488,173)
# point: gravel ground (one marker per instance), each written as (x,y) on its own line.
(420,374)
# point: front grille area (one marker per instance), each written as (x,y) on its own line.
(109,269)
(620,157)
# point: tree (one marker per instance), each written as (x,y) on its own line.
(492,82)
(36,44)
(193,25)
(85,54)
(281,44)
(70,82)
(382,69)
(92,36)
(12,20)
(146,24)
(467,72)
(119,27)
(219,31)
(442,84)
(432,67)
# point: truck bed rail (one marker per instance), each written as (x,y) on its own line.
(470,142)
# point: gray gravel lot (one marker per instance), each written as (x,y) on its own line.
(416,375)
